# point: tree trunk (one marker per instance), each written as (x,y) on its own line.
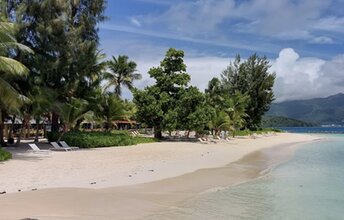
(23,127)
(157,133)
(64,131)
(2,126)
(10,133)
(37,130)
(55,122)
(28,129)
(78,124)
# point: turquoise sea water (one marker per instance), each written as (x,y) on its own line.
(309,186)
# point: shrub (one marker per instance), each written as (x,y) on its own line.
(98,139)
(259,131)
(144,140)
(4,155)
(53,136)
(84,139)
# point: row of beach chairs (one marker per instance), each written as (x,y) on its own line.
(62,146)
(215,139)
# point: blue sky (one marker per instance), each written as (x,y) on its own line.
(303,39)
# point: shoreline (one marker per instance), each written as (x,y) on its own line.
(145,198)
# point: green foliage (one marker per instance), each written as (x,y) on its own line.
(259,131)
(9,68)
(4,155)
(10,99)
(220,122)
(123,72)
(278,121)
(53,136)
(100,139)
(171,104)
(215,93)
(235,107)
(72,111)
(97,139)
(145,140)
(111,109)
(64,37)
(251,78)
(156,103)
(192,111)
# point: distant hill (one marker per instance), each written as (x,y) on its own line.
(278,121)
(328,110)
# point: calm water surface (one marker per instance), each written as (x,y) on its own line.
(310,186)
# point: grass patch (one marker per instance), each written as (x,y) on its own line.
(4,155)
(260,131)
(145,140)
(100,139)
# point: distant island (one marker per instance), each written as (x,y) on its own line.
(279,121)
(318,111)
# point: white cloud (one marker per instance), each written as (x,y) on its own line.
(322,40)
(135,22)
(202,16)
(307,77)
(174,36)
(203,69)
(332,23)
(282,19)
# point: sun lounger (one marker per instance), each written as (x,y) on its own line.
(203,141)
(57,147)
(65,145)
(35,149)
(212,140)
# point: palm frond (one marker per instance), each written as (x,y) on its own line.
(12,67)
(9,97)
(10,45)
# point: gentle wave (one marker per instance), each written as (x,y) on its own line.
(310,186)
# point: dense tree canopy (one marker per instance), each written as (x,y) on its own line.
(64,37)
(170,104)
(10,98)
(251,78)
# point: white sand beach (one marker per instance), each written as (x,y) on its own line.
(94,184)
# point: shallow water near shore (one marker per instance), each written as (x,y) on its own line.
(309,186)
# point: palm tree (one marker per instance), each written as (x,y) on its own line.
(71,112)
(123,72)
(10,99)
(220,122)
(236,111)
(112,109)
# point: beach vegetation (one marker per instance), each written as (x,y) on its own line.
(230,110)
(111,108)
(193,111)
(252,78)
(260,131)
(64,38)
(171,103)
(99,139)
(156,104)
(4,155)
(122,72)
(10,69)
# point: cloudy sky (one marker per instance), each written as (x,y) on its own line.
(302,38)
